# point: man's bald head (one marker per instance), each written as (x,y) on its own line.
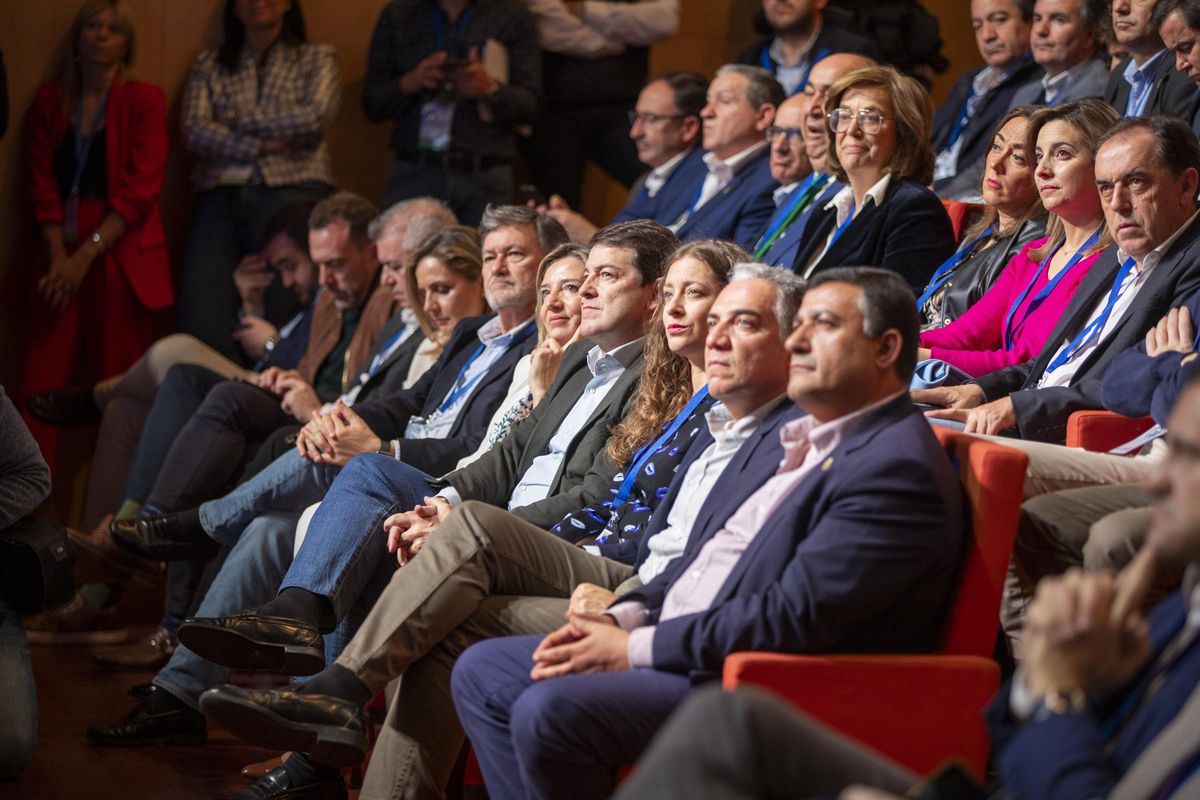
(823,75)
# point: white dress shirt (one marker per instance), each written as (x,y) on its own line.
(720,174)
(658,177)
(790,75)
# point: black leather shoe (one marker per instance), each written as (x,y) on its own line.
(164,537)
(144,725)
(65,408)
(251,640)
(330,730)
(279,785)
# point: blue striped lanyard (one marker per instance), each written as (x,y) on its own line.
(946,270)
(1008,331)
(386,350)
(770,66)
(459,391)
(1096,326)
(644,455)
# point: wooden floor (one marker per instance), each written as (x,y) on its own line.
(73,693)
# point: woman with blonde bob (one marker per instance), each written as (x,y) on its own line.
(885,216)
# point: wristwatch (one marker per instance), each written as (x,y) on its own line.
(387,449)
(98,240)
(269,345)
(1057,701)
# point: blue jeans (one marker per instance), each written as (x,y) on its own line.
(18,710)
(290,484)
(248,578)
(344,556)
(227,223)
(562,737)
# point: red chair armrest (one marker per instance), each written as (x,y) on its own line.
(919,710)
(1101,431)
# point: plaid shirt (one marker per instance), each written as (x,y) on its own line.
(407,32)
(227,117)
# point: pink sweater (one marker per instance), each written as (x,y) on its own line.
(975,341)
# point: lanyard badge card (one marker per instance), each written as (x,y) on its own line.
(437,119)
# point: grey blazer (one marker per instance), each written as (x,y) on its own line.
(584,476)
(1088,83)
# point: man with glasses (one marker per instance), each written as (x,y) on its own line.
(665,129)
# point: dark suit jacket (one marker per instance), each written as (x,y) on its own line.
(1042,413)
(582,477)
(673,198)
(1171,93)
(1074,755)
(783,251)
(753,463)
(388,414)
(1089,83)
(389,377)
(910,233)
(830,40)
(978,133)
(861,557)
(740,210)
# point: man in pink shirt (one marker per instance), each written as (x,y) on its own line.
(853,545)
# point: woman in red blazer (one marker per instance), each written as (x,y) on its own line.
(96,149)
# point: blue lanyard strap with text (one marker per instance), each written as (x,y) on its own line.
(1096,326)
(841,228)
(457,394)
(385,351)
(1008,331)
(946,270)
(644,455)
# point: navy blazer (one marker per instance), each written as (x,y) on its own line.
(1171,92)
(977,134)
(740,210)
(388,415)
(910,234)
(830,40)
(389,377)
(673,198)
(862,556)
(1042,413)
(1069,756)
(783,251)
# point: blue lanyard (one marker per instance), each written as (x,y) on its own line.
(695,204)
(83,145)
(946,270)
(841,229)
(784,217)
(1096,326)
(1008,331)
(770,66)
(439,26)
(643,455)
(386,350)
(458,392)
(960,124)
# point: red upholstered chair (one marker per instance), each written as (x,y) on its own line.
(920,709)
(1101,431)
(961,215)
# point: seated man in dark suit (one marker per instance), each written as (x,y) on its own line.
(665,128)
(734,199)
(1146,82)
(509,576)
(1148,169)
(1178,23)
(963,124)
(853,545)
(801,39)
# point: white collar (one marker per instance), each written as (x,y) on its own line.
(667,167)
(843,201)
(619,357)
(1157,254)
(734,162)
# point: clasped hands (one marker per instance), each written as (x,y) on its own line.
(59,285)
(336,436)
(590,641)
(408,530)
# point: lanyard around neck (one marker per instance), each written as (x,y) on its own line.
(1096,326)
(801,197)
(946,271)
(1008,331)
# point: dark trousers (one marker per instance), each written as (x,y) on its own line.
(563,737)
(750,744)
(212,447)
(565,139)
(468,191)
(227,224)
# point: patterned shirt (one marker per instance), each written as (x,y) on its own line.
(292,98)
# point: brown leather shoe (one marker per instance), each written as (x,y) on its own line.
(100,545)
(150,652)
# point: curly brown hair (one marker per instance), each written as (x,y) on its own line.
(666,382)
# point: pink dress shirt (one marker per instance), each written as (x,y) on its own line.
(806,445)
(975,341)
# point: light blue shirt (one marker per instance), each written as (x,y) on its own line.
(495,343)
(1140,79)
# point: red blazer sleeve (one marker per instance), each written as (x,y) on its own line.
(44,130)
(137,158)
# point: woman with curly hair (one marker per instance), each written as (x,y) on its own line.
(669,410)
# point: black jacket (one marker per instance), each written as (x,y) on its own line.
(1171,93)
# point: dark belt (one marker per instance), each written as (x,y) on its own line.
(460,161)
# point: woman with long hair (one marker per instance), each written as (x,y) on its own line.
(254,116)
(1011,322)
(96,150)
(670,406)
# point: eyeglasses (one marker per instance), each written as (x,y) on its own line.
(795,136)
(869,120)
(647,118)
